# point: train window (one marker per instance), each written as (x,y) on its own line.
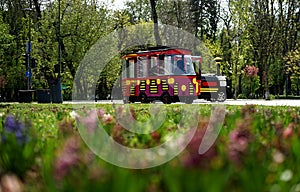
(154,70)
(179,66)
(124,69)
(189,66)
(131,68)
(142,66)
(153,61)
(168,66)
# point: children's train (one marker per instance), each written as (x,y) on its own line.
(170,75)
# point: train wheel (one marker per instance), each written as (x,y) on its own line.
(125,100)
(187,99)
(212,98)
(132,99)
(143,98)
(166,99)
(221,97)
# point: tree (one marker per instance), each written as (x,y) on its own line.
(155,22)
(5,47)
(138,11)
(204,16)
(82,24)
(293,69)
(13,37)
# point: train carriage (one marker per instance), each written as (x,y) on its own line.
(160,73)
(213,87)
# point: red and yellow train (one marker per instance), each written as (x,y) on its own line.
(160,73)
(169,75)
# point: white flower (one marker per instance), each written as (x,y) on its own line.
(297,188)
(278,157)
(286,175)
(107,118)
(2,114)
(73,114)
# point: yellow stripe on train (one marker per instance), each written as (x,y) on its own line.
(209,89)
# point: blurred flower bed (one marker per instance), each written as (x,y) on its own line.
(258,149)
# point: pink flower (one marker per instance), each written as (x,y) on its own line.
(101,113)
(288,132)
(191,157)
(67,158)
(250,71)
(238,140)
(238,143)
(117,133)
(90,121)
(107,118)
(64,164)
(11,183)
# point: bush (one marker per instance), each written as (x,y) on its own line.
(242,96)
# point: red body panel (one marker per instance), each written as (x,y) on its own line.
(209,84)
(156,86)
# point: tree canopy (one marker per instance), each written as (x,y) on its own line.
(260,33)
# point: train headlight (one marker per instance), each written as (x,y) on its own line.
(222,83)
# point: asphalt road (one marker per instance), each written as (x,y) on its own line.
(277,102)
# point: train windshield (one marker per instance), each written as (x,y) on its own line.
(184,65)
(189,66)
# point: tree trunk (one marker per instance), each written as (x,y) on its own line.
(155,20)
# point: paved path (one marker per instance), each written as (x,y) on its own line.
(277,102)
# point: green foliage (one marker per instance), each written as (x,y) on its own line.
(261,33)
(82,24)
(250,86)
(5,40)
(9,71)
(293,68)
(258,32)
(138,11)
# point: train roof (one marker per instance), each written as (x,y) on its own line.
(157,50)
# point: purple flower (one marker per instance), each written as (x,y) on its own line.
(238,143)
(15,127)
(191,157)
(90,122)
(101,113)
(64,164)
(67,158)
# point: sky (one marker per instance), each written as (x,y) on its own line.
(118,4)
